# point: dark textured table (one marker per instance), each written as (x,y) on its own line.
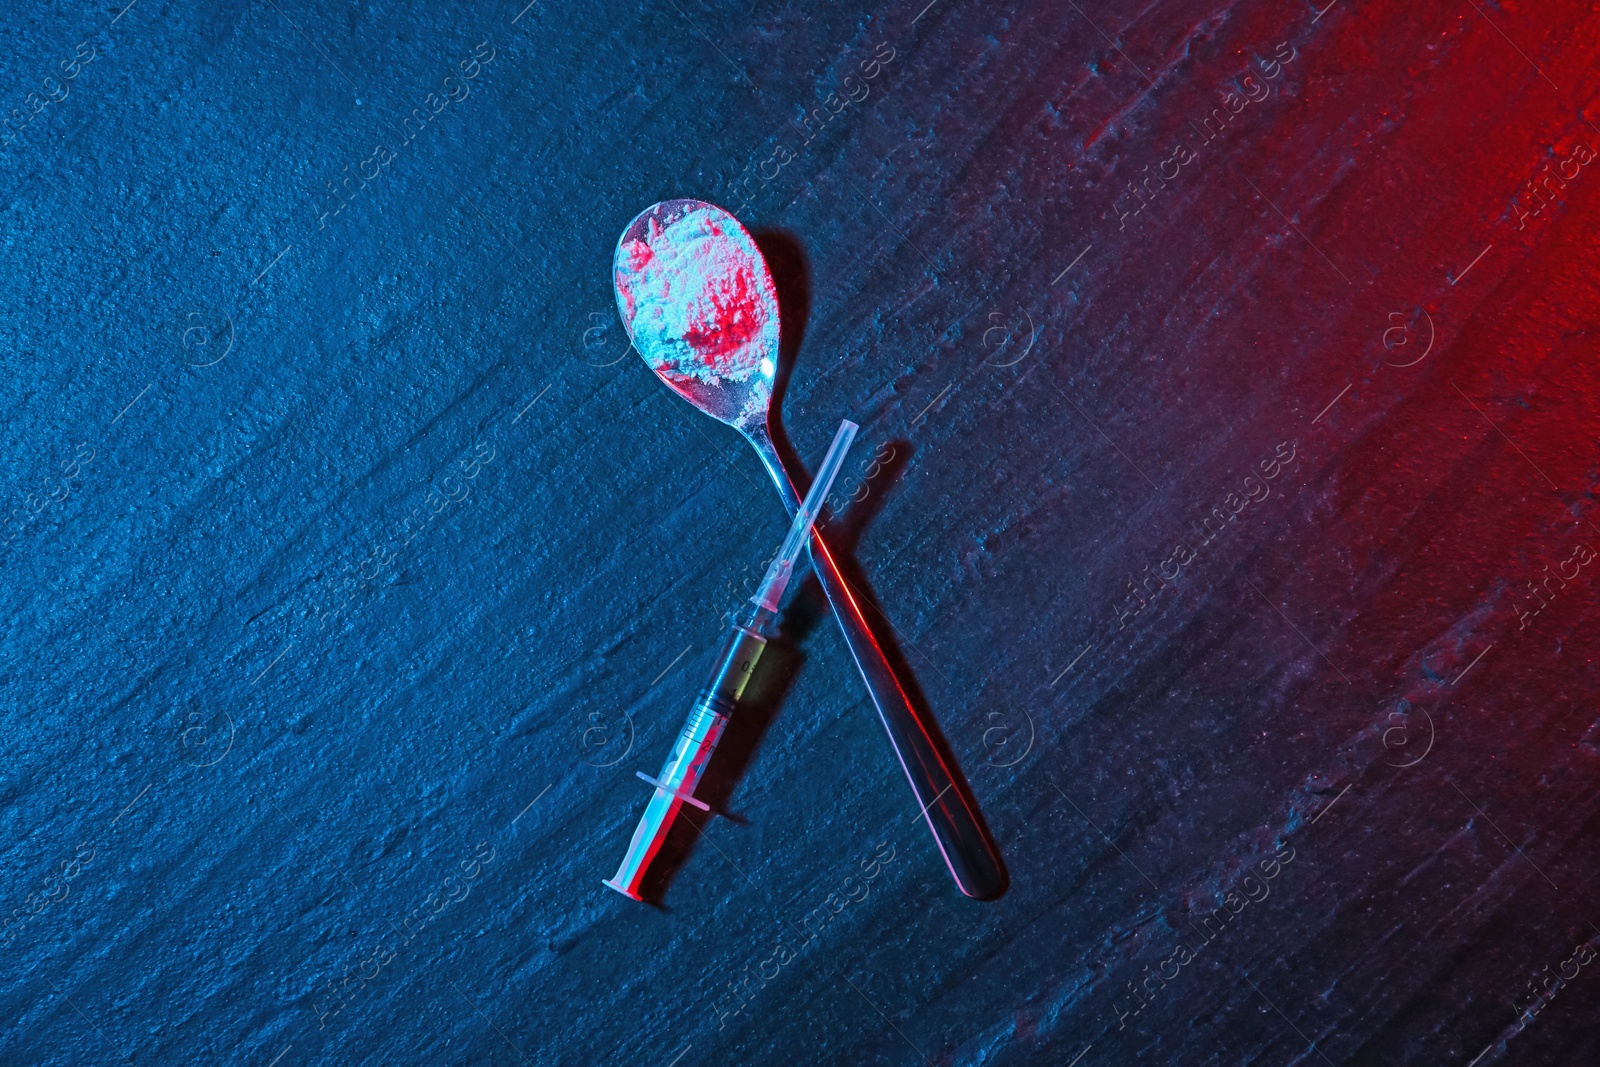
(1227,486)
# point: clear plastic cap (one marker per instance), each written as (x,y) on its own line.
(778,574)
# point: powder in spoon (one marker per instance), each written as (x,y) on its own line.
(698,298)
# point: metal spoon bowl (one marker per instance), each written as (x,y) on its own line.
(741,403)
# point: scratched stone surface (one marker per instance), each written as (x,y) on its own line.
(1228,389)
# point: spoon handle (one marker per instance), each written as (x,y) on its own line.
(951,814)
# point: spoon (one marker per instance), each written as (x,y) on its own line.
(698,302)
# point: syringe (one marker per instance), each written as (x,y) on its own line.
(676,782)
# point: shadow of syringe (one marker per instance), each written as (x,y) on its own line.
(686,763)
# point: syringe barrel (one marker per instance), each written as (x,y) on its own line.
(691,753)
(740,652)
(686,763)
